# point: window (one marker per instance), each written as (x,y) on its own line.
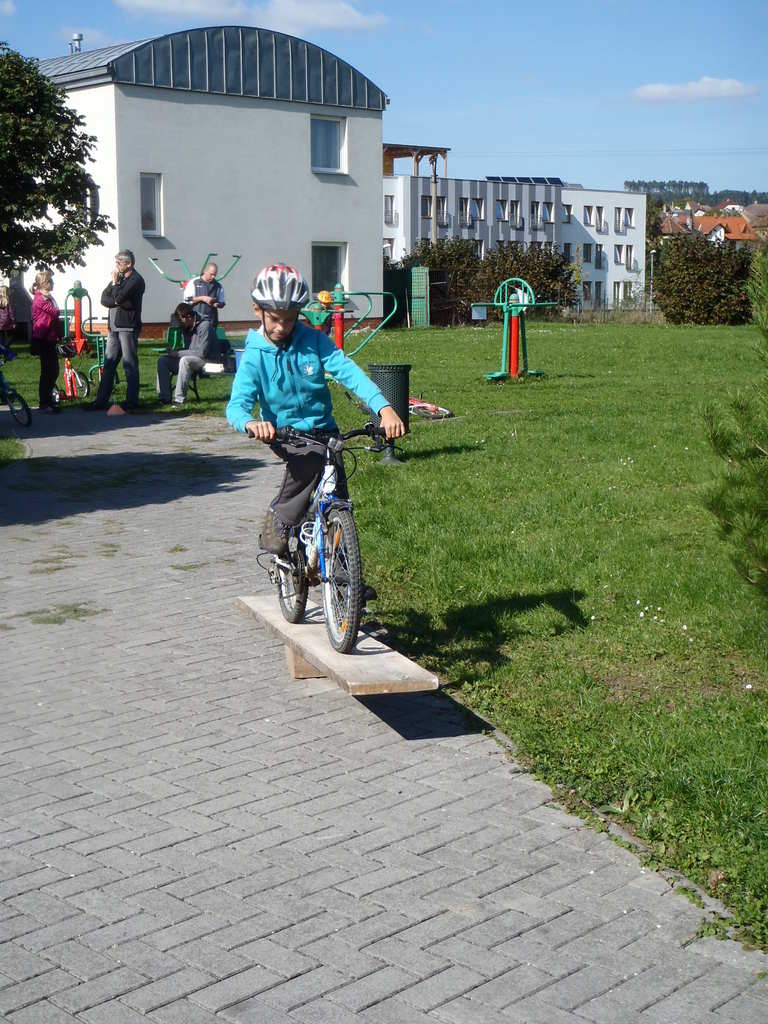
(617,293)
(599,217)
(426,206)
(150,186)
(463,211)
(626,287)
(598,294)
(388,248)
(442,210)
(586,292)
(514,211)
(587,252)
(327,144)
(502,207)
(629,256)
(598,255)
(567,211)
(535,213)
(589,215)
(327,265)
(617,221)
(629,217)
(389,209)
(479,248)
(567,251)
(477,209)
(618,254)
(546,215)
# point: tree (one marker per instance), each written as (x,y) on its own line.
(45,214)
(740,501)
(702,282)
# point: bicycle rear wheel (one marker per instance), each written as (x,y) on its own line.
(19,408)
(292,585)
(343,586)
(82,383)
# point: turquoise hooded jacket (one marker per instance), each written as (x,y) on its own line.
(288,384)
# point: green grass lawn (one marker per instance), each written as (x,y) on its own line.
(548,553)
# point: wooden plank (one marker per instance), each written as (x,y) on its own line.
(371,668)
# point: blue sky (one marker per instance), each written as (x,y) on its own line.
(595,92)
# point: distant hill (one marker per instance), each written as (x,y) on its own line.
(674,191)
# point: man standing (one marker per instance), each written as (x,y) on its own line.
(206,295)
(123,298)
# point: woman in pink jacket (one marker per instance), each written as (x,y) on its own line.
(45,334)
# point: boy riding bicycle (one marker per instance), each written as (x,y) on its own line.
(283,371)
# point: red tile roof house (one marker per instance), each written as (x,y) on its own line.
(726,229)
(757,216)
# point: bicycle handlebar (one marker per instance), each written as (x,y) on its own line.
(300,438)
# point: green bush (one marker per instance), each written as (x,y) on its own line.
(701,282)
(740,500)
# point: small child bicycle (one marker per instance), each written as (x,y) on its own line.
(324,548)
(9,395)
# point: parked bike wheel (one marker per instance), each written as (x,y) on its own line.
(83,384)
(292,585)
(19,408)
(343,587)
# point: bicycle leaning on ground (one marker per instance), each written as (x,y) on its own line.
(324,548)
(9,395)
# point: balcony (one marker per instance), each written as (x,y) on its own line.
(391,219)
(602,227)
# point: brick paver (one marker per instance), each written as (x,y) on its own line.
(189,835)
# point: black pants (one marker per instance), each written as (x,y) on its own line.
(49,372)
(303,469)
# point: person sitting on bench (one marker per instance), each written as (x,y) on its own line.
(184,362)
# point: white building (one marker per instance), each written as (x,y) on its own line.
(603,232)
(233,140)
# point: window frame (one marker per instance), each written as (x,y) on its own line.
(476,208)
(567,212)
(464,211)
(341,122)
(341,248)
(389,214)
(567,251)
(502,211)
(589,216)
(425,204)
(586,252)
(157,182)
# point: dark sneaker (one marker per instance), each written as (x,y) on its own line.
(273,536)
(95,406)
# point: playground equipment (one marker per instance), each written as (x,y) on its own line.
(514,297)
(83,340)
(182,281)
(317,314)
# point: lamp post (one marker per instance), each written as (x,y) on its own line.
(650,296)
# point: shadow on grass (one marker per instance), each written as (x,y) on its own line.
(428,453)
(472,637)
(44,489)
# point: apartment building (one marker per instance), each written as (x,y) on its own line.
(602,232)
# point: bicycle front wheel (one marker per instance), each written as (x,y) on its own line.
(19,408)
(343,586)
(292,585)
(83,384)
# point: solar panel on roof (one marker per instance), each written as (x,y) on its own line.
(555,181)
(539,181)
(492,177)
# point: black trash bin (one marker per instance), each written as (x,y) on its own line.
(392,381)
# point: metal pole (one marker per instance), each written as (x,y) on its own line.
(433,162)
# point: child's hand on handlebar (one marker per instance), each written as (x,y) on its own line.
(391,422)
(262,430)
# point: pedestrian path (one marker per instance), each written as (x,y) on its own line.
(190,836)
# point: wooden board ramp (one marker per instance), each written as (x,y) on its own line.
(371,668)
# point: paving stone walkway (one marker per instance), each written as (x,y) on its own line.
(189,836)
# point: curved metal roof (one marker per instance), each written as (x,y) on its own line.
(229,60)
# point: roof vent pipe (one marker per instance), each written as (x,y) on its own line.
(75,43)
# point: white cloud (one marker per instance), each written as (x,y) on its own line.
(691,92)
(7,7)
(295,16)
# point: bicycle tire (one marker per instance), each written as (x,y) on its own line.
(343,585)
(82,383)
(292,586)
(19,408)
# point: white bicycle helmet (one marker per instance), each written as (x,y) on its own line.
(280,286)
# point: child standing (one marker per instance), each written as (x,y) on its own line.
(45,334)
(7,317)
(283,371)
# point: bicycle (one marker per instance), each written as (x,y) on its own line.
(76,383)
(9,395)
(324,549)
